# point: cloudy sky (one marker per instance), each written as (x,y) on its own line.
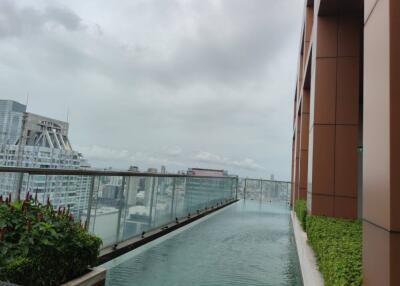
(180,83)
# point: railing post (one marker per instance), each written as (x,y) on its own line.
(245,187)
(173,198)
(151,201)
(90,202)
(27,183)
(45,189)
(19,186)
(237,186)
(120,207)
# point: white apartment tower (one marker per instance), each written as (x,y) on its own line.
(30,140)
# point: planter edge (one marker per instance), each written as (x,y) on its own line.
(96,277)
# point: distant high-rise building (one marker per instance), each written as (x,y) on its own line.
(163,170)
(30,140)
(152,170)
(206,172)
(134,169)
(198,190)
(11,113)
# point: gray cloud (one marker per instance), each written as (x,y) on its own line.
(160,81)
(16,21)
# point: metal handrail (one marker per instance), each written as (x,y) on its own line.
(265,180)
(94,172)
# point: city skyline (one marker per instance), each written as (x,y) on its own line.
(171,84)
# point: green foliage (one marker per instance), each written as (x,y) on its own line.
(17,267)
(40,246)
(300,207)
(337,244)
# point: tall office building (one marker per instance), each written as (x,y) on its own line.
(201,191)
(10,121)
(35,141)
(346,123)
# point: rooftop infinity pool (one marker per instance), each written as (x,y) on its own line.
(248,243)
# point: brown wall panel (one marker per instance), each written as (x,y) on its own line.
(346,160)
(304,131)
(349,36)
(395,115)
(347,101)
(345,207)
(303,169)
(323,159)
(322,205)
(327,37)
(325,91)
(306,101)
(395,258)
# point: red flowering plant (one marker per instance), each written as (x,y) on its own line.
(42,246)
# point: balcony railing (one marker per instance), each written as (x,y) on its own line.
(264,190)
(119,205)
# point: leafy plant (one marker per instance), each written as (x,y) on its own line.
(337,244)
(300,207)
(41,246)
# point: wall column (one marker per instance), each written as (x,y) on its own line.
(381,152)
(303,152)
(333,134)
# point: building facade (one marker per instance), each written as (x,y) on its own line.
(10,121)
(346,123)
(30,140)
(201,191)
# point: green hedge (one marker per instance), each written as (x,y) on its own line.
(300,207)
(40,246)
(337,244)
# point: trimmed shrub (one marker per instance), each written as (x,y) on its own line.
(40,246)
(337,244)
(300,207)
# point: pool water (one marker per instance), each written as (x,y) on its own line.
(247,243)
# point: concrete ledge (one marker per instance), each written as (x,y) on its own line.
(308,264)
(112,252)
(96,277)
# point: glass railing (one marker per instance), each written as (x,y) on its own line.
(118,206)
(264,190)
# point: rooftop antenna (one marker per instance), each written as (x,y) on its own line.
(67,114)
(27,100)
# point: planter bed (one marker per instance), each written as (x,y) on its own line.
(337,244)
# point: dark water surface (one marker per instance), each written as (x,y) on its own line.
(247,243)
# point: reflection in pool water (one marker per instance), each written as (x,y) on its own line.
(248,243)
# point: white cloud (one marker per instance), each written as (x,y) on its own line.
(215,75)
(248,164)
(96,152)
(173,151)
(245,164)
